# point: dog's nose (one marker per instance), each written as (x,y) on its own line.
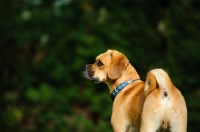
(84,67)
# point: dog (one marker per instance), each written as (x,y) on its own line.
(138,106)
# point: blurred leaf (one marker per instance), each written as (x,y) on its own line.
(17,113)
(32,94)
(46,93)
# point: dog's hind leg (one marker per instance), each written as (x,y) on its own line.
(178,126)
(152,114)
(179,121)
(151,120)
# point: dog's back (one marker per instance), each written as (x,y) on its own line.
(164,106)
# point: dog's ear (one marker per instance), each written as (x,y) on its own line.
(117,65)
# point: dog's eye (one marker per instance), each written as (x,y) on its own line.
(99,63)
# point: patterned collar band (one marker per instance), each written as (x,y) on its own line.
(120,87)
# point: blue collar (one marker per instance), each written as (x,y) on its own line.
(120,87)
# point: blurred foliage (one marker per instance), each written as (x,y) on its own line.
(44,44)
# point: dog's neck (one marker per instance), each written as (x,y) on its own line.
(130,73)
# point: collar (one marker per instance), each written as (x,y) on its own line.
(120,87)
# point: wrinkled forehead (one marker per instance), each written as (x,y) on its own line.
(104,56)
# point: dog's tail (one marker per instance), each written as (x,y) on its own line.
(158,79)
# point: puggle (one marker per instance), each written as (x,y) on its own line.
(138,106)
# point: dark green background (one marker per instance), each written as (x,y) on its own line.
(45,43)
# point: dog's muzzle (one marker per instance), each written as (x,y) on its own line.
(88,73)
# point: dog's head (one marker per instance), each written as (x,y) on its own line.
(108,66)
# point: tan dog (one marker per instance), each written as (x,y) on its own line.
(129,92)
